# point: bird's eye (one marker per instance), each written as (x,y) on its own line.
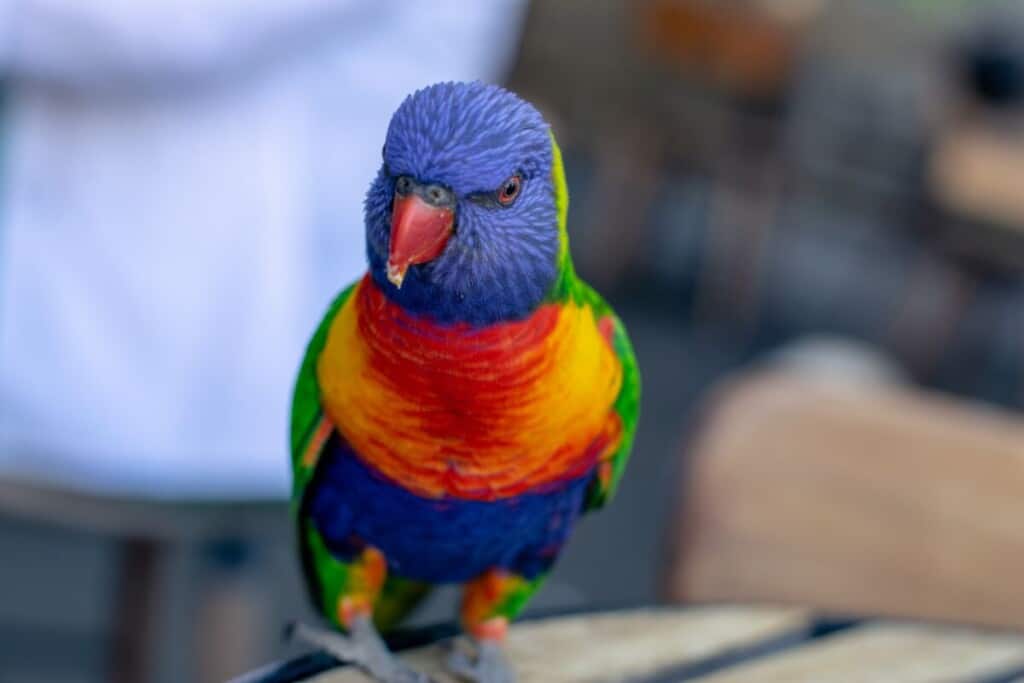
(403,185)
(510,190)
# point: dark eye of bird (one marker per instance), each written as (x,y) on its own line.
(403,185)
(510,190)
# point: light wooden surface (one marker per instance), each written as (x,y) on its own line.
(731,644)
(897,653)
(617,646)
(858,499)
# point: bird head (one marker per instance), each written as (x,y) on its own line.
(461,220)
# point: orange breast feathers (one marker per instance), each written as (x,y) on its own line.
(475,414)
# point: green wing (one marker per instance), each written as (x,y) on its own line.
(327,577)
(306,417)
(306,410)
(627,403)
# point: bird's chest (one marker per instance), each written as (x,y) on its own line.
(469,412)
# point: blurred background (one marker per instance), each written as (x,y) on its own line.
(809,213)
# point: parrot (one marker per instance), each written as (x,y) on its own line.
(464,402)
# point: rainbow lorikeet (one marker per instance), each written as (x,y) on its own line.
(470,397)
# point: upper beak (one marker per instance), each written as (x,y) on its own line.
(419,233)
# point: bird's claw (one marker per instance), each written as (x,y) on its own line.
(490,665)
(363,648)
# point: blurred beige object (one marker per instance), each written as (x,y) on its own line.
(616,646)
(976,172)
(855,498)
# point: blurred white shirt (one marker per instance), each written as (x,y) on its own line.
(180,198)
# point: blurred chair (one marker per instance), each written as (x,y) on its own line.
(853,497)
(148,539)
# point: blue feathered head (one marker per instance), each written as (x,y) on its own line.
(461,220)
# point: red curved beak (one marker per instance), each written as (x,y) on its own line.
(419,233)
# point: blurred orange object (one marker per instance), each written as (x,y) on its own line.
(745,47)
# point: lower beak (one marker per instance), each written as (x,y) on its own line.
(419,233)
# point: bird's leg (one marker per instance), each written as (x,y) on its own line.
(489,603)
(361,645)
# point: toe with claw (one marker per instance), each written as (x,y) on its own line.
(361,647)
(489,666)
